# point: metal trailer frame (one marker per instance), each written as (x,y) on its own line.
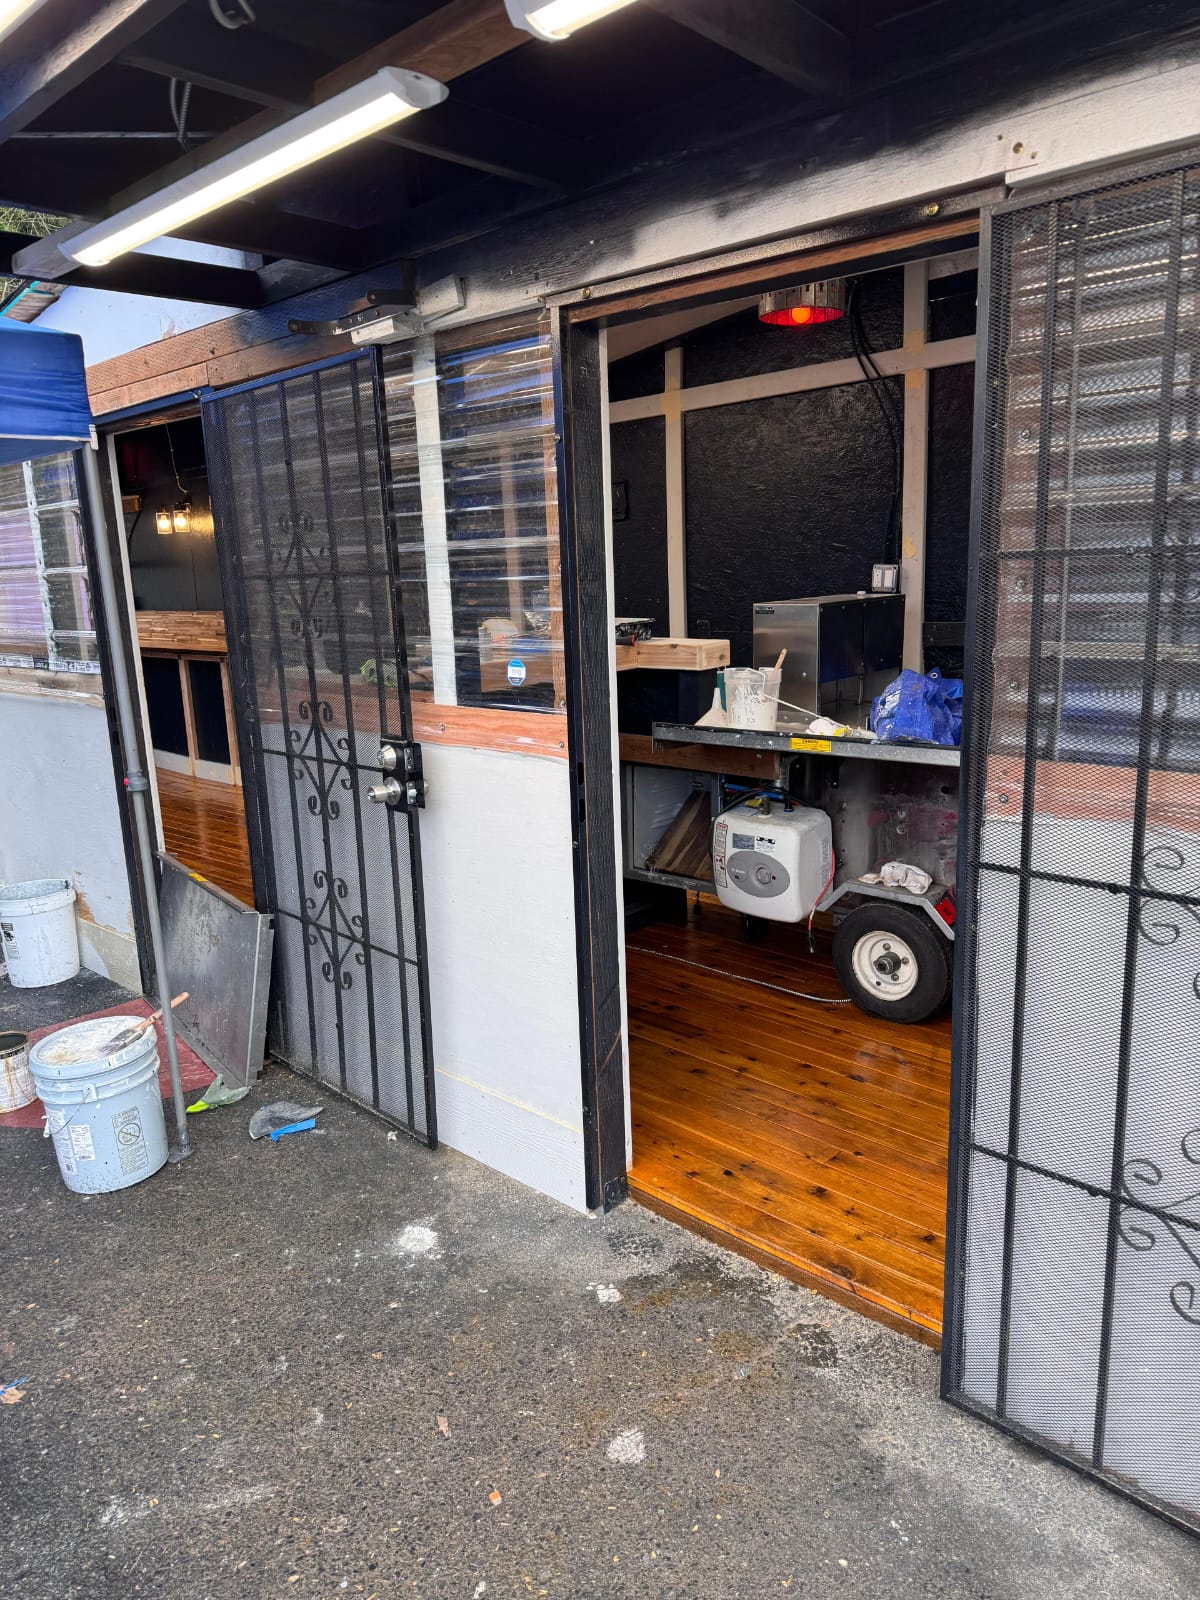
(931,760)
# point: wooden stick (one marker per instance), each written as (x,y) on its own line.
(155,1015)
(780,658)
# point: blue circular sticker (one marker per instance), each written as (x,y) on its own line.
(516,672)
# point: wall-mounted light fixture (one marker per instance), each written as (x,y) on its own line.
(368,107)
(181,519)
(559,19)
(13,13)
(162,520)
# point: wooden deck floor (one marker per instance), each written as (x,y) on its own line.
(204,826)
(810,1137)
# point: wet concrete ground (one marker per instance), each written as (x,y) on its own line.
(343,1366)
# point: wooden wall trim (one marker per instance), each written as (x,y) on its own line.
(197,632)
(525,733)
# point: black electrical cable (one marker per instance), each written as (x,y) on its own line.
(888,411)
(878,387)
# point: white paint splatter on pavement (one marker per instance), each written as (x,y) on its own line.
(416,1240)
(628,1448)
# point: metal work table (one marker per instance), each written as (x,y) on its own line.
(788,742)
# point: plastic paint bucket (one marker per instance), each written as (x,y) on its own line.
(38,933)
(16,1082)
(752,697)
(104,1110)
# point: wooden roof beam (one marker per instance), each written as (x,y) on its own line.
(780,36)
(169,278)
(451,41)
(47,60)
(53,180)
(278,75)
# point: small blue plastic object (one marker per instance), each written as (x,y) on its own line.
(293,1127)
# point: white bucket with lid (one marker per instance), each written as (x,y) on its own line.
(16,1083)
(38,932)
(104,1109)
(752,697)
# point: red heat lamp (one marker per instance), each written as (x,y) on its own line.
(804,307)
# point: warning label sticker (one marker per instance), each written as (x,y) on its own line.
(816,746)
(82,1147)
(131,1141)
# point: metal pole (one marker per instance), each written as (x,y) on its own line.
(136,782)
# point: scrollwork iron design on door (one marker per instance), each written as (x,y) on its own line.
(1137,1220)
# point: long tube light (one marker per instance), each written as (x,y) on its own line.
(559,19)
(368,107)
(13,13)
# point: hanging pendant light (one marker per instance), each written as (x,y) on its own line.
(804,307)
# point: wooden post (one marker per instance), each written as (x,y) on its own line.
(431,475)
(916,463)
(676,494)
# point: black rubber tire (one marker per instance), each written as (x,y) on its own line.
(934,956)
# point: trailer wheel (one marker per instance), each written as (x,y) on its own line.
(892,962)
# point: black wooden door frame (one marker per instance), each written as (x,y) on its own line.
(580,384)
(988,419)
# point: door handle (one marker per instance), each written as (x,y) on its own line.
(387,793)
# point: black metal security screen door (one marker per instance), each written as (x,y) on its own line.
(1074,1252)
(301,502)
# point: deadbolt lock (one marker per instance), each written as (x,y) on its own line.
(403,786)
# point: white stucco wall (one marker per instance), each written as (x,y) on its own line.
(59,817)
(496,859)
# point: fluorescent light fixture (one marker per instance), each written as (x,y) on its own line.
(559,19)
(370,106)
(13,13)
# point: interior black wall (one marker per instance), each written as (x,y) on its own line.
(174,571)
(640,536)
(790,495)
(787,496)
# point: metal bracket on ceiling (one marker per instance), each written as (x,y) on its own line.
(389,314)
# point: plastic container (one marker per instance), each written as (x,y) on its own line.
(37,927)
(752,697)
(16,1082)
(104,1110)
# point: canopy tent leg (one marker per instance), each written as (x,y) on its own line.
(136,782)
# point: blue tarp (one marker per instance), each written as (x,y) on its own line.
(44,406)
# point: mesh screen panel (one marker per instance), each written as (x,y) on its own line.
(299,483)
(1075,1276)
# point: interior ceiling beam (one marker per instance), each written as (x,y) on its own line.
(277,75)
(781,37)
(53,56)
(157,275)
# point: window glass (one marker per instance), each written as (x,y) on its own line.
(45,603)
(470,418)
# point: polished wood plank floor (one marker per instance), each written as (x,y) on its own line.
(204,826)
(810,1137)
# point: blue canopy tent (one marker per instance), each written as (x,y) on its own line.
(44,411)
(44,406)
